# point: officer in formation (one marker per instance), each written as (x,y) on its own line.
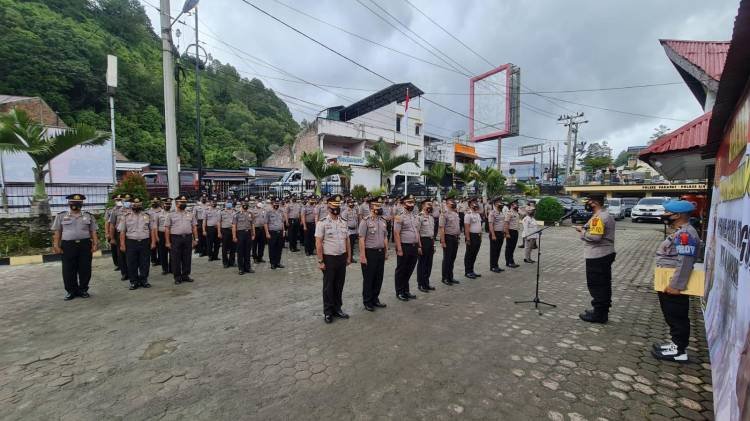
(243,233)
(108,229)
(351,215)
(473,233)
(76,239)
(275,222)
(512,223)
(408,248)
(308,218)
(200,212)
(137,239)
(496,221)
(259,221)
(427,240)
(334,255)
(598,236)
(678,251)
(160,221)
(117,246)
(226,219)
(153,213)
(181,233)
(450,229)
(293,215)
(373,246)
(212,230)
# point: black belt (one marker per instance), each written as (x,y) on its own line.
(452,235)
(294,219)
(133,239)
(180,235)
(380,250)
(76,241)
(409,244)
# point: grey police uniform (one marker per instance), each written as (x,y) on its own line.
(180,224)
(333,234)
(137,228)
(351,216)
(160,221)
(114,221)
(212,219)
(76,231)
(243,223)
(200,212)
(474,220)
(512,221)
(259,245)
(406,225)
(373,230)
(275,223)
(228,247)
(451,225)
(309,214)
(496,220)
(599,251)
(293,218)
(427,238)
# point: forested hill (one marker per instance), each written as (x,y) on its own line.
(57,49)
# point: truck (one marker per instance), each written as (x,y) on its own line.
(295,182)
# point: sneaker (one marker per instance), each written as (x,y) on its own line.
(670,354)
(662,346)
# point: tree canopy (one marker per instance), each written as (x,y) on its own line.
(57,50)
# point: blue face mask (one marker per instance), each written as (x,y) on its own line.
(228,206)
(126,205)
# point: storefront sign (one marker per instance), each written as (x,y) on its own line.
(350,160)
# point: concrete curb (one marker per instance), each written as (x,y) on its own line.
(40,258)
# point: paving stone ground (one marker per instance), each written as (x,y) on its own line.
(255,347)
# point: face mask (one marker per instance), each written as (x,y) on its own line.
(452,205)
(118,203)
(167,207)
(409,207)
(379,211)
(203,200)
(428,209)
(245,206)
(182,206)
(275,206)
(667,218)
(137,208)
(351,205)
(475,207)
(335,211)
(75,207)
(154,205)
(126,205)
(588,207)
(213,205)
(229,206)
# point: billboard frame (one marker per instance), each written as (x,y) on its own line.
(512,103)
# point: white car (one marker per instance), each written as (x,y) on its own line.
(615,208)
(648,209)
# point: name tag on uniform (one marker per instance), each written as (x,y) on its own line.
(596,227)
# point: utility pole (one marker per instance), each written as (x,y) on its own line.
(170,122)
(499,154)
(571,122)
(198,104)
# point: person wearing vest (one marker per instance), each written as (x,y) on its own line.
(678,251)
(426,234)
(373,246)
(496,221)
(138,237)
(212,231)
(408,248)
(226,219)
(334,255)
(200,212)
(275,232)
(259,222)
(293,212)
(473,233)
(152,213)
(598,236)
(510,228)
(117,199)
(74,236)
(160,220)
(307,216)
(243,233)
(350,214)
(450,229)
(181,234)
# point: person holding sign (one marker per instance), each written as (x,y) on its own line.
(679,252)
(598,236)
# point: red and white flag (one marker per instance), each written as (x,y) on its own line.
(406,103)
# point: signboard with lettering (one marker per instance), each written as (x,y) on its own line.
(350,160)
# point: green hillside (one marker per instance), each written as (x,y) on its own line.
(57,49)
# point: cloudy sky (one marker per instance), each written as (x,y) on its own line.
(559,45)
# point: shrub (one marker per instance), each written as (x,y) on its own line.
(377,192)
(135,185)
(359,192)
(549,209)
(452,194)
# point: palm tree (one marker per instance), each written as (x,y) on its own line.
(467,175)
(385,162)
(436,174)
(315,162)
(487,176)
(18,133)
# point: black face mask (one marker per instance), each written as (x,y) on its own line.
(155,206)
(335,211)
(137,208)
(428,209)
(588,207)
(667,218)
(75,207)
(167,207)
(409,208)
(182,206)
(245,206)
(379,211)
(203,200)
(275,206)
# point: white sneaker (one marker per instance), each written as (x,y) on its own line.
(662,346)
(670,353)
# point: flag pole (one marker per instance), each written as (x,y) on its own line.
(406,131)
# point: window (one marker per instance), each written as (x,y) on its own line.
(416,154)
(398,123)
(416,129)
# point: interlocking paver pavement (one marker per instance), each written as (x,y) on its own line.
(255,347)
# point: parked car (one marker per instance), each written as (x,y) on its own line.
(614,207)
(648,209)
(416,188)
(627,204)
(256,187)
(580,214)
(158,186)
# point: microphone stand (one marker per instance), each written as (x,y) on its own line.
(536,299)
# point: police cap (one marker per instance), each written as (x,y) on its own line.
(679,206)
(76,197)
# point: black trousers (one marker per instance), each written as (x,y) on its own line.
(76,265)
(449,256)
(310,238)
(163,253)
(228,247)
(201,247)
(334,277)
(405,267)
(121,257)
(599,282)
(495,246)
(155,256)
(212,243)
(437,226)
(353,241)
(138,252)
(115,254)
(424,263)
(510,247)
(461,221)
(244,244)
(675,309)
(389,229)
(293,233)
(181,255)
(472,250)
(372,276)
(259,245)
(275,247)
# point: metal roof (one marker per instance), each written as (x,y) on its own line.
(690,136)
(393,93)
(9,99)
(709,56)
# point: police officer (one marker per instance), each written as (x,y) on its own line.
(160,220)
(75,237)
(450,229)
(226,219)
(308,218)
(427,240)
(373,246)
(211,230)
(351,215)
(408,248)
(678,251)
(200,212)
(496,222)
(181,233)
(117,199)
(293,214)
(321,210)
(138,237)
(259,221)
(598,236)
(473,234)
(388,215)
(275,232)
(510,228)
(334,255)
(243,233)
(153,213)
(115,235)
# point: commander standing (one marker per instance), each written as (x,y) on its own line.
(334,255)
(75,237)
(598,236)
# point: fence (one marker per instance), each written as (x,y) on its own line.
(18,196)
(265,190)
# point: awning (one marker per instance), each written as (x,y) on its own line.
(465,151)
(677,155)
